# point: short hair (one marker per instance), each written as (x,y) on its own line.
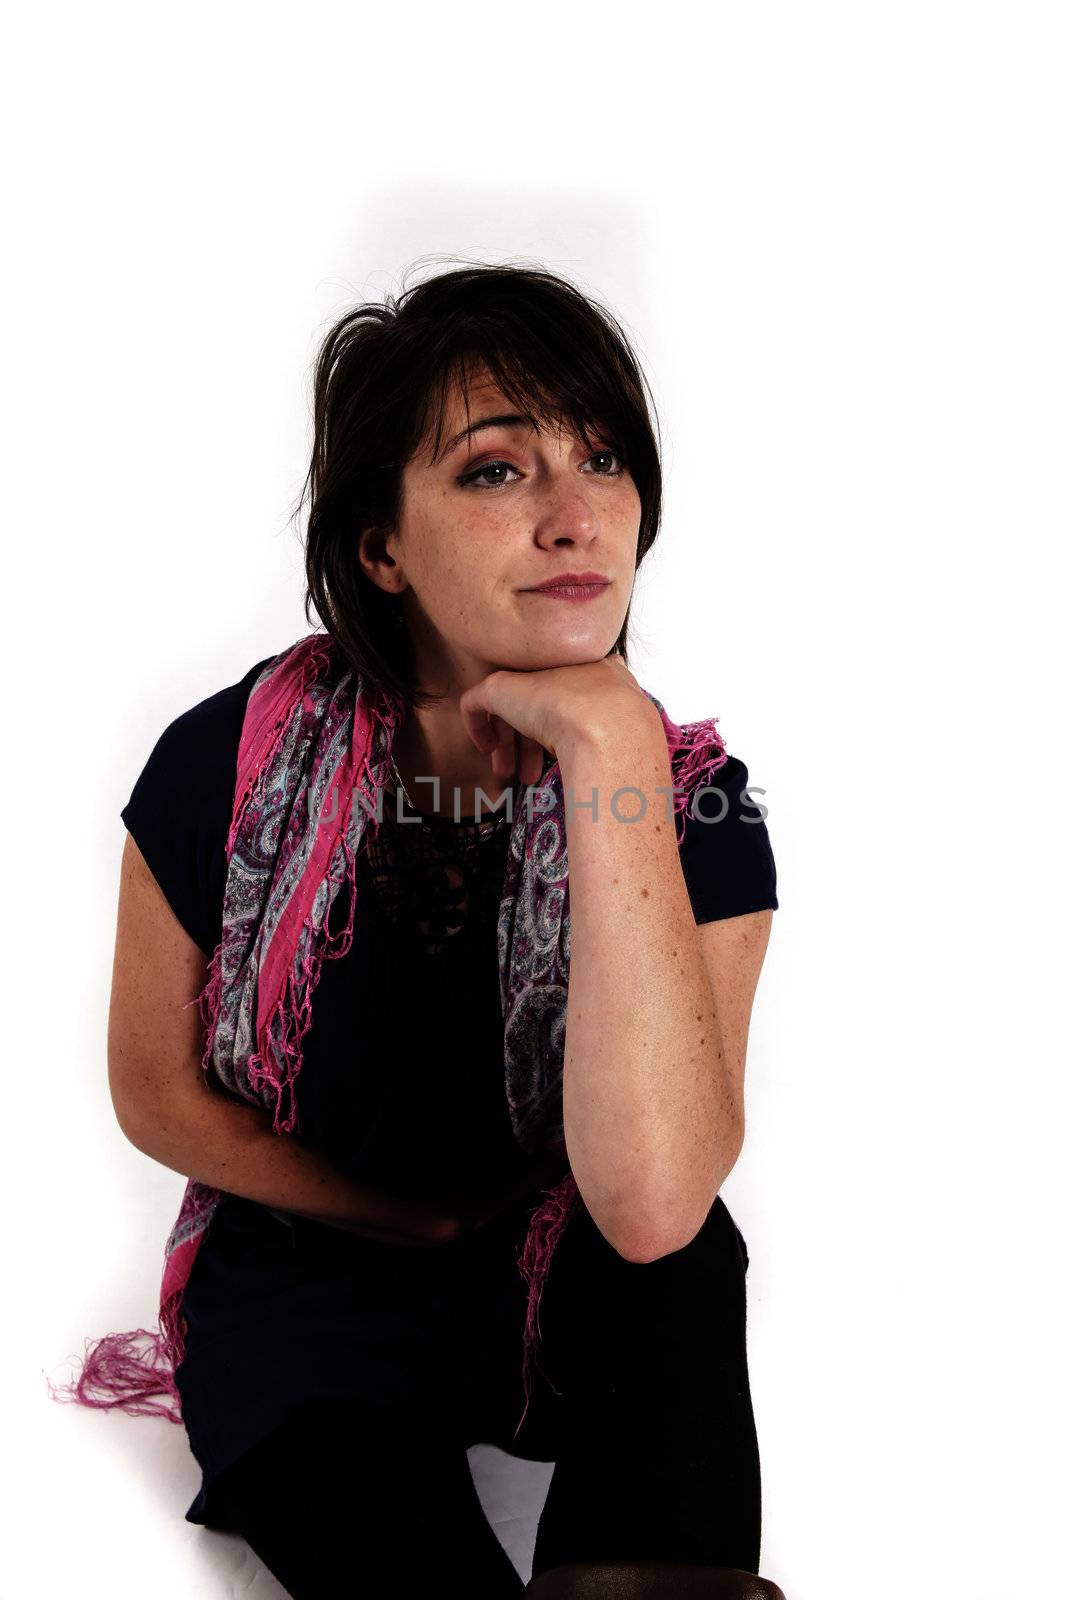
(381,381)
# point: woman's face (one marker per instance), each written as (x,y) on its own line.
(502,510)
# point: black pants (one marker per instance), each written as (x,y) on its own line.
(642,1402)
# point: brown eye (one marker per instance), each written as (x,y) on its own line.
(488,466)
(470,479)
(609,450)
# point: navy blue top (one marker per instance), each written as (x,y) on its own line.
(269,1296)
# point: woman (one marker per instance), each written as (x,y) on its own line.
(360,1301)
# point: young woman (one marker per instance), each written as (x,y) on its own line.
(349,1308)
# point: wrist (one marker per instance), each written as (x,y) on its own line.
(639,733)
(605,760)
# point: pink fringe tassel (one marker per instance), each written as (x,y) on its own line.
(546,1226)
(704,754)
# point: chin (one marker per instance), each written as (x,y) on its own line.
(542,658)
(540,654)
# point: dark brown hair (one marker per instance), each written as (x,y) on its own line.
(381,381)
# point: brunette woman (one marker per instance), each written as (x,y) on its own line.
(506,1047)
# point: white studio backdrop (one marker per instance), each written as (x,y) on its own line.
(836,237)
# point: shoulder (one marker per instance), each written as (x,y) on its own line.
(210,730)
(181,804)
(725,847)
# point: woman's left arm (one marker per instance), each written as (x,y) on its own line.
(658,1007)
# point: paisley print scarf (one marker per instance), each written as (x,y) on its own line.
(312,762)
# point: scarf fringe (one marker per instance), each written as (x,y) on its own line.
(545,1229)
(114,1374)
(697,751)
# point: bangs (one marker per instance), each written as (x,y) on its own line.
(530,379)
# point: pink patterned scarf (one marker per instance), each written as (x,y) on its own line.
(312,761)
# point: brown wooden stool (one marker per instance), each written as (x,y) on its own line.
(649,1580)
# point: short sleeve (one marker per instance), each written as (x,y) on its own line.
(726,854)
(181,806)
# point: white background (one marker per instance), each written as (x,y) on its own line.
(835,234)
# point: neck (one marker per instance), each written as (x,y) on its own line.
(434,743)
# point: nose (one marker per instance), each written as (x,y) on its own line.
(571,523)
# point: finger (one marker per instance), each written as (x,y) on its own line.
(482,730)
(504,760)
(477,716)
(476,720)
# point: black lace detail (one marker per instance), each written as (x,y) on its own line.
(434,879)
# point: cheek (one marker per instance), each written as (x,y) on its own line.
(632,518)
(456,577)
(438,555)
(470,561)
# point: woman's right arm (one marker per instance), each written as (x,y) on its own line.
(168,1109)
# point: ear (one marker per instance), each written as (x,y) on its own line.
(378,564)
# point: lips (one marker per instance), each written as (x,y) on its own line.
(573,593)
(575,581)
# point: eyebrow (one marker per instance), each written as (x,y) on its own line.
(505,419)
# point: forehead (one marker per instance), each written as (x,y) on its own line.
(485,396)
(484,400)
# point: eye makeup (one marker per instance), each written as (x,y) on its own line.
(466,479)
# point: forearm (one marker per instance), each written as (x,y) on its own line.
(649,1118)
(221,1141)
